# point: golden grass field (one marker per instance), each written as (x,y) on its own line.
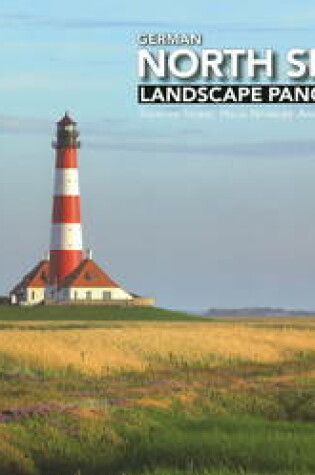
(163,397)
(137,346)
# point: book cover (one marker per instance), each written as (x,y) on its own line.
(157,238)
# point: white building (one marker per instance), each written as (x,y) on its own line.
(31,289)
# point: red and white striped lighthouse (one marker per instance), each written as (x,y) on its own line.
(66,251)
(69,276)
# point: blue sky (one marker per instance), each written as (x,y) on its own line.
(198,212)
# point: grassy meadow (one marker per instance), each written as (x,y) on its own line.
(113,391)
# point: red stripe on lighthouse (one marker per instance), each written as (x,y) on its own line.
(66,158)
(61,262)
(66,209)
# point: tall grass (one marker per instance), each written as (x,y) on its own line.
(156,398)
(137,443)
(140,346)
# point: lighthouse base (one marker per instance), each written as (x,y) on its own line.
(134,302)
(88,284)
(86,294)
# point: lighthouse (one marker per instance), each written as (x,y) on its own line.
(66,251)
(68,274)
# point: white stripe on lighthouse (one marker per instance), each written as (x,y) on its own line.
(66,182)
(67,237)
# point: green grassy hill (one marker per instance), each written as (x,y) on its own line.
(66,312)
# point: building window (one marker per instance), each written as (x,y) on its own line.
(89,295)
(33,295)
(107,295)
(75,295)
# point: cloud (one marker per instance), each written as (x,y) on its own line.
(107,134)
(265,149)
(22,125)
(89,23)
(26,125)
(96,23)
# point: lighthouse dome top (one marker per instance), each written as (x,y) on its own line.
(67,133)
(66,120)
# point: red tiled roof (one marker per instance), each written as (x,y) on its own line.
(88,274)
(37,277)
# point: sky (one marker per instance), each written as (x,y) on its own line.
(198,207)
